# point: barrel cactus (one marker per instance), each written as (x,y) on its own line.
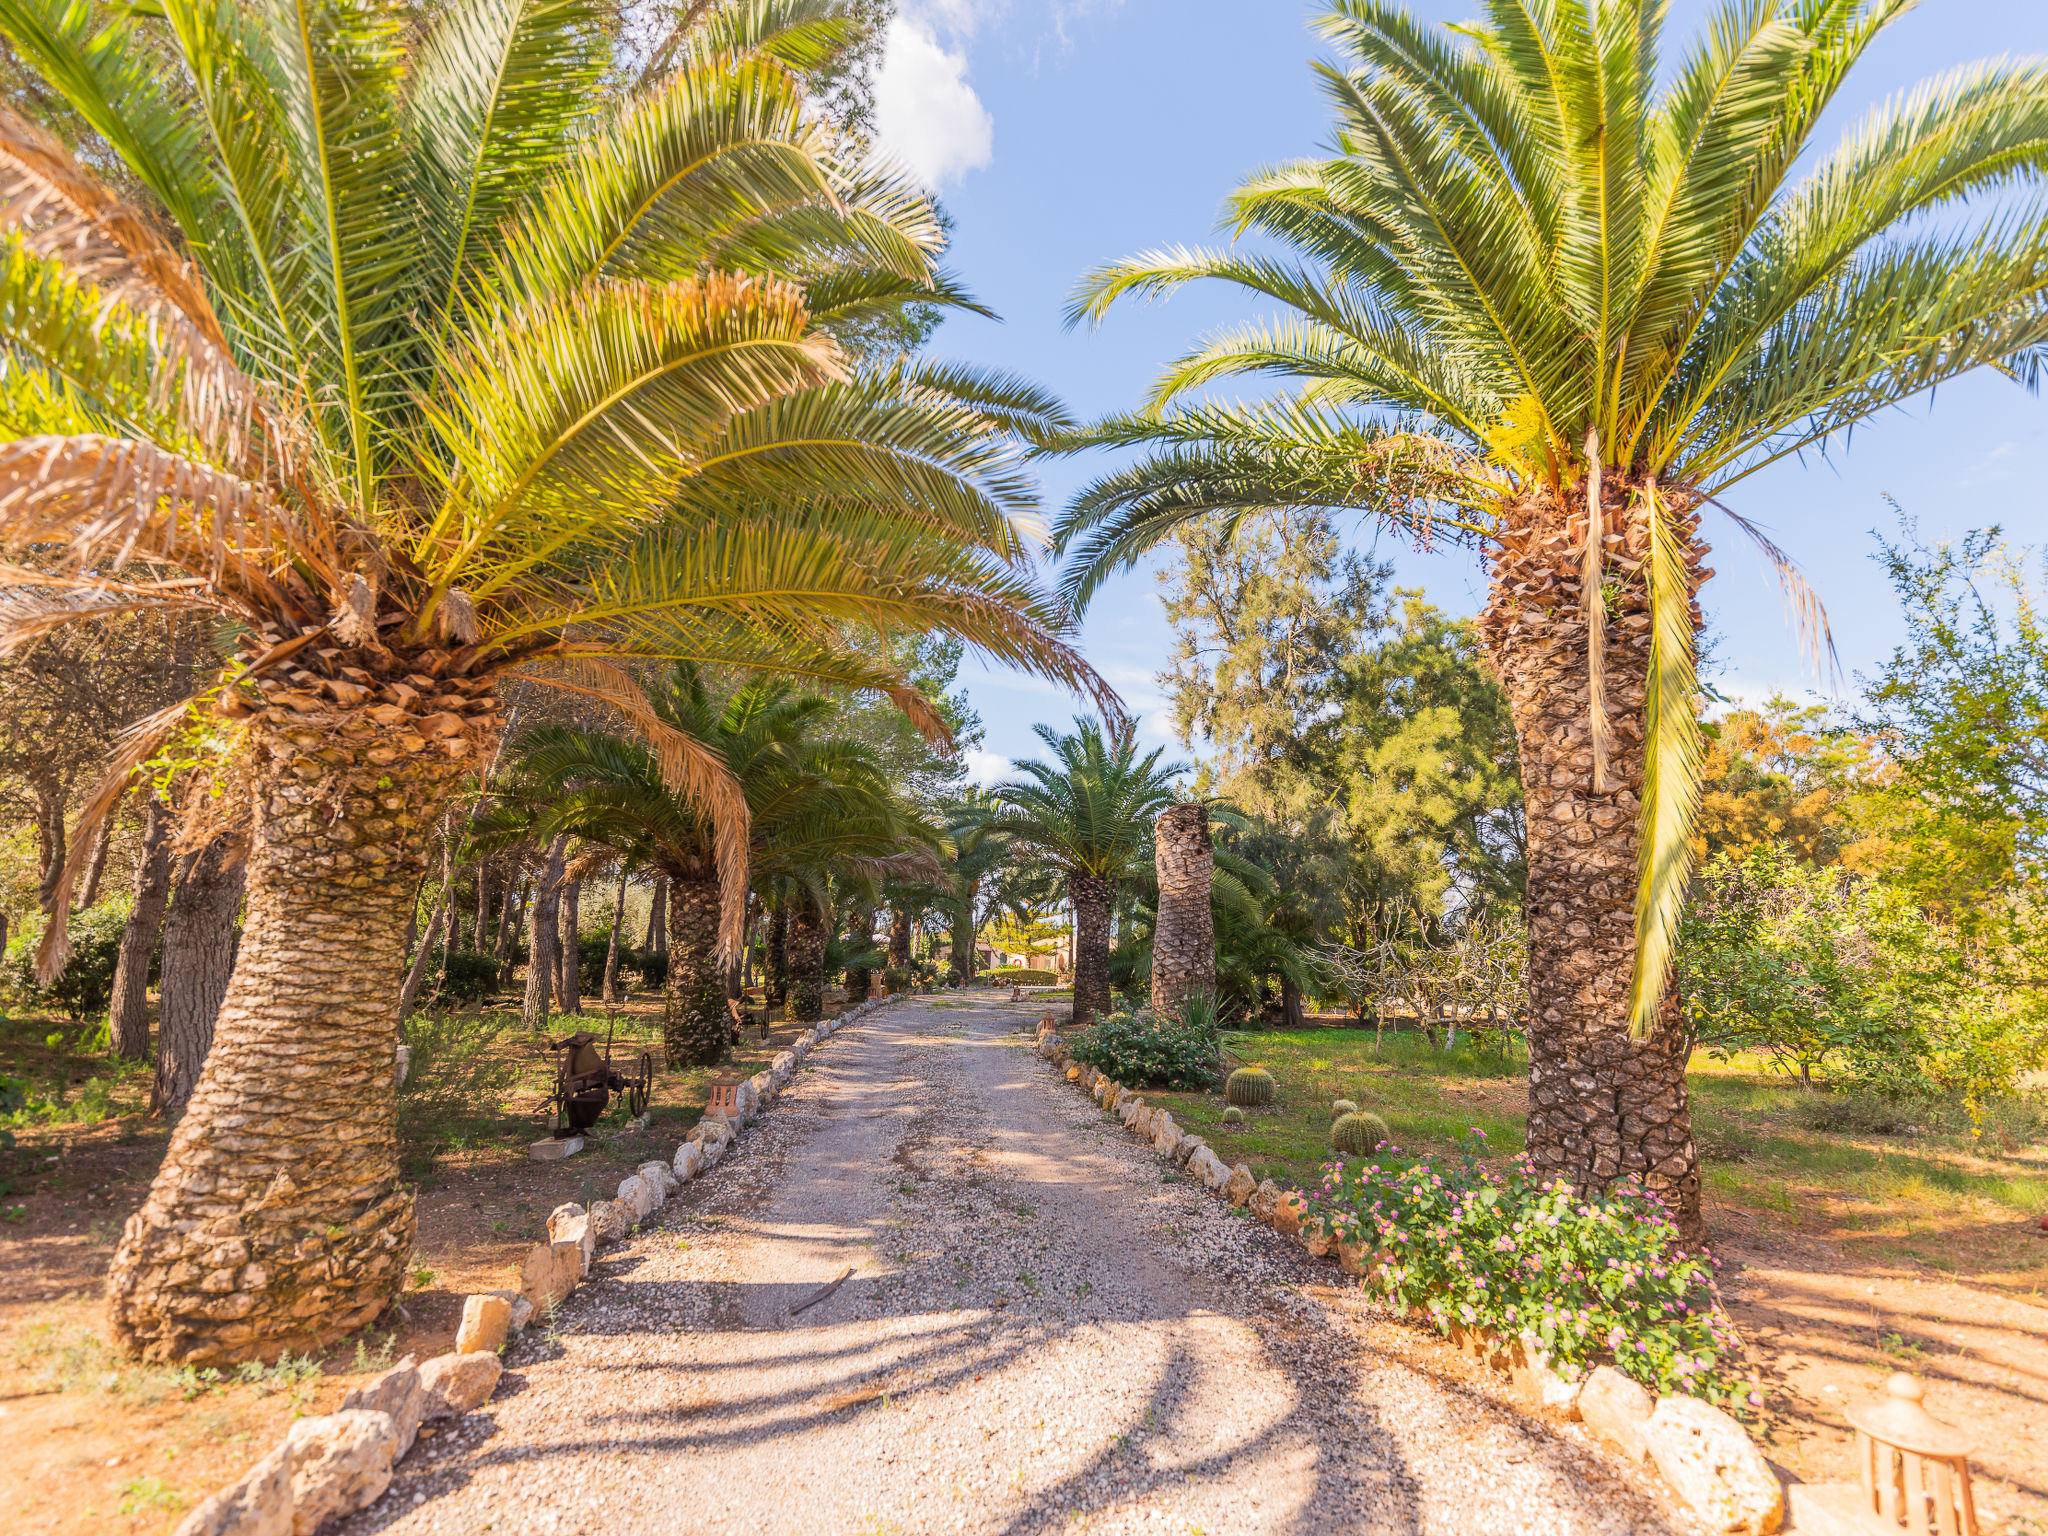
(1359,1134)
(1233,1116)
(1249,1085)
(1340,1109)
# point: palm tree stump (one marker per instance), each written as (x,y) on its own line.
(1184,939)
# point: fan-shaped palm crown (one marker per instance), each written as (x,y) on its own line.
(1551,299)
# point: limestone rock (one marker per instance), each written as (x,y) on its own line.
(1352,1258)
(258,1503)
(1710,1459)
(340,1463)
(1317,1241)
(1263,1199)
(767,1089)
(689,1156)
(550,1274)
(1616,1409)
(398,1391)
(660,1175)
(783,1066)
(571,1224)
(747,1099)
(1074,1070)
(1288,1211)
(522,1309)
(485,1322)
(1239,1190)
(639,1196)
(1165,1134)
(455,1384)
(1185,1149)
(1208,1167)
(611,1220)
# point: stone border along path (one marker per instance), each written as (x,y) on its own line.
(1041,1333)
(338,1463)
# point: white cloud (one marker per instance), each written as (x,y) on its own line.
(985,768)
(926,113)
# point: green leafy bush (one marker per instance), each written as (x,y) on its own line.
(1007,975)
(591,951)
(86,989)
(1590,1280)
(468,978)
(1143,1052)
(653,967)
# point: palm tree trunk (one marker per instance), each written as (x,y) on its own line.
(963,936)
(1603,1108)
(860,932)
(569,987)
(899,939)
(1090,895)
(1184,942)
(696,1029)
(277,1220)
(128,1017)
(199,959)
(611,954)
(543,939)
(806,963)
(777,965)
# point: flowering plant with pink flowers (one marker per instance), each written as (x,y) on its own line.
(1585,1279)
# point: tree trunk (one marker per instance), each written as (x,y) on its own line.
(543,940)
(657,920)
(696,1028)
(1090,895)
(483,905)
(899,939)
(277,1220)
(777,965)
(50,843)
(1184,941)
(569,984)
(860,932)
(1603,1108)
(199,958)
(128,1018)
(963,936)
(1290,1004)
(611,954)
(95,866)
(422,958)
(806,963)
(508,915)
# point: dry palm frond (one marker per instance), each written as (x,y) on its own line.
(64,213)
(25,619)
(137,745)
(691,770)
(1802,603)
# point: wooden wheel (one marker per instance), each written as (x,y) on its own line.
(640,1087)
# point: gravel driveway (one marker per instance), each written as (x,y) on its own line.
(1040,1333)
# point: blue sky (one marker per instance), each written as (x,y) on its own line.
(1066,133)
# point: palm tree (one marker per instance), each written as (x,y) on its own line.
(454,370)
(1089,813)
(1184,935)
(1549,302)
(813,802)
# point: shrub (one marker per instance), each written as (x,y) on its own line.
(1340,1109)
(1006,975)
(1589,1279)
(1249,1085)
(1855,1113)
(1142,1052)
(1358,1134)
(86,989)
(468,978)
(897,977)
(653,968)
(592,949)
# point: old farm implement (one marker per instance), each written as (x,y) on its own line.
(585,1081)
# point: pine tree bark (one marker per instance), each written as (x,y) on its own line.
(483,905)
(508,915)
(1090,895)
(1603,1108)
(806,963)
(543,940)
(569,983)
(657,920)
(611,954)
(277,1220)
(128,1017)
(777,965)
(199,959)
(1184,940)
(95,867)
(696,1028)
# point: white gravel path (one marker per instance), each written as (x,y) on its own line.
(1041,1334)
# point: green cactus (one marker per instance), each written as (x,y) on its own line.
(1233,1116)
(1340,1109)
(1249,1085)
(1359,1134)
